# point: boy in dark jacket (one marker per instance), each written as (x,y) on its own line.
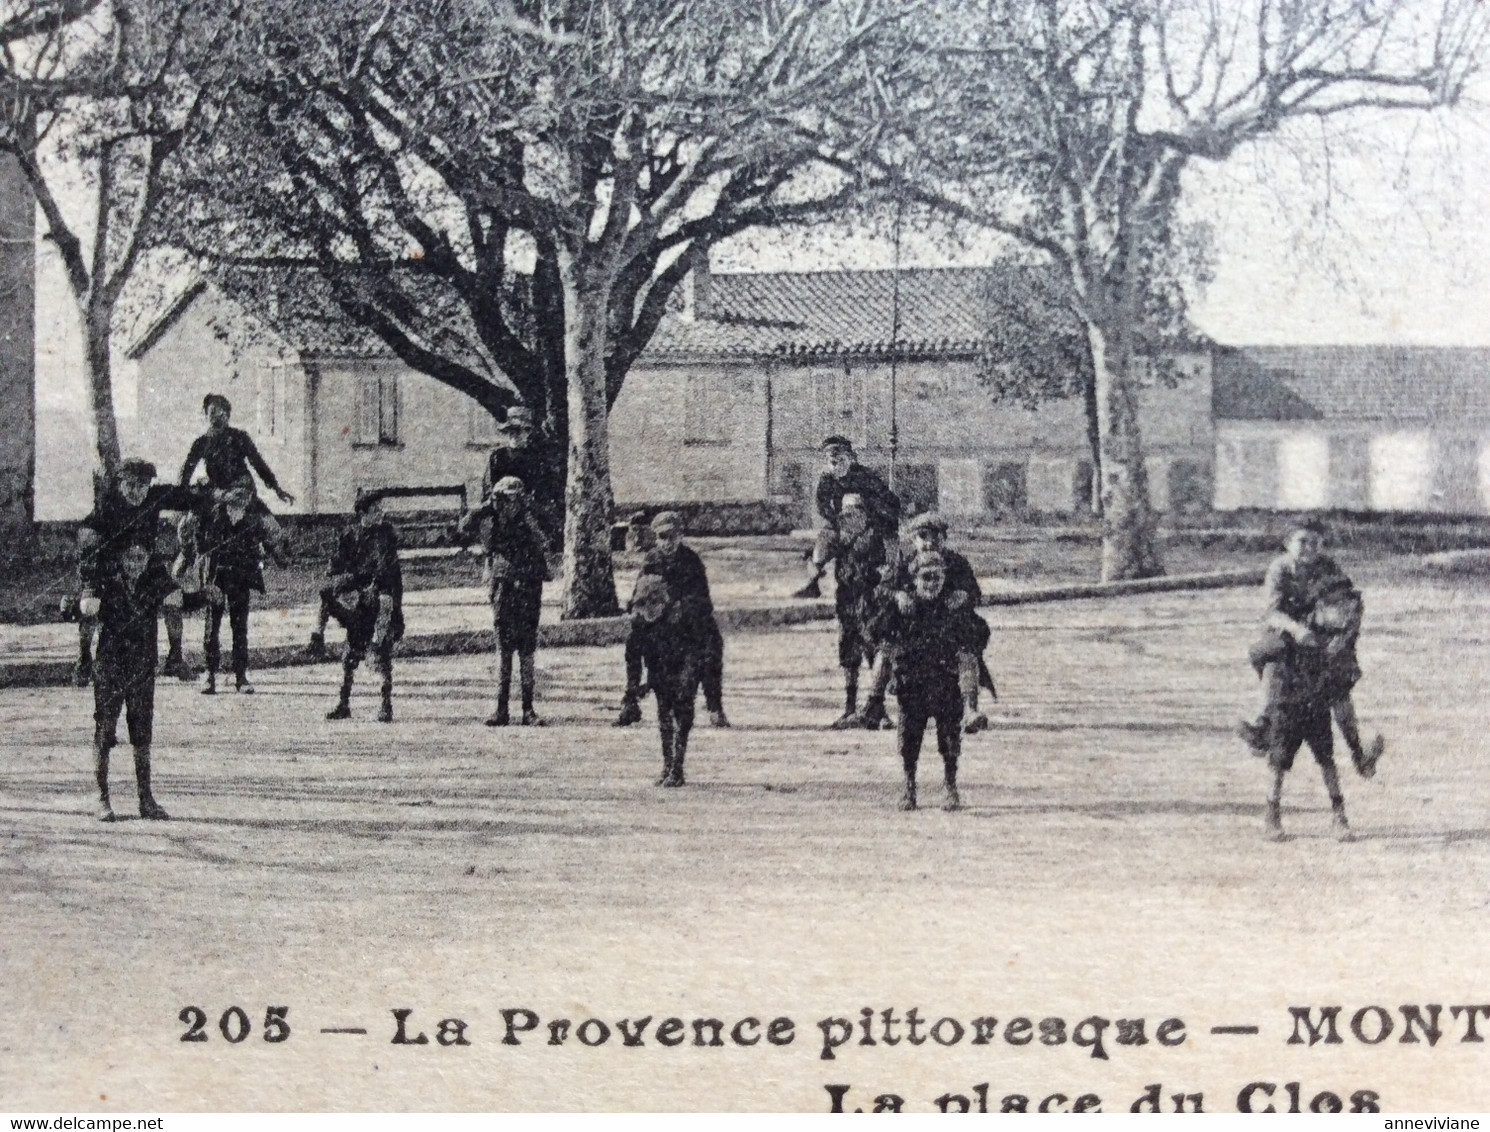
(128,513)
(126,597)
(233,538)
(929,536)
(928,634)
(688,582)
(517,556)
(1307,662)
(365,594)
(673,647)
(227,453)
(844,476)
(857,551)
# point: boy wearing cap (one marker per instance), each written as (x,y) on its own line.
(365,594)
(517,554)
(928,634)
(843,475)
(688,584)
(128,514)
(236,532)
(857,551)
(1307,663)
(928,533)
(673,646)
(518,456)
(126,595)
(227,452)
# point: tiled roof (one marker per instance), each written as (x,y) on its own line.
(1402,384)
(941,311)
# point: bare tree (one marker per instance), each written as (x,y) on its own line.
(507,195)
(103,94)
(1068,124)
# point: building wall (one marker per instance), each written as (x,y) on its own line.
(690,433)
(1298,466)
(215,348)
(439,437)
(17,346)
(972,457)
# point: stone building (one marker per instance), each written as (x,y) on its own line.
(729,403)
(1357,428)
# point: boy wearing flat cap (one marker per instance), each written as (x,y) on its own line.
(125,597)
(857,551)
(843,475)
(928,533)
(517,556)
(673,647)
(688,584)
(365,593)
(227,453)
(235,534)
(928,634)
(1306,659)
(128,514)
(520,457)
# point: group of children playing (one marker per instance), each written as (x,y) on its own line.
(907,612)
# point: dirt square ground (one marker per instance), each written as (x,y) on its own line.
(1109,864)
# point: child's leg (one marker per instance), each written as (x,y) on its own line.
(107,705)
(383,663)
(969,669)
(139,711)
(631,711)
(1274,819)
(171,613)
(82,671)
(683,712)
(850,688)
(101,777)
(501,717)
(1258,732)
(238,603)
(212,642)
(909,733)
(1364,759)
(667,729)
(1270,689)
(873,715)
(317,645)
(822,548)
(528,679)
(713,676)
(343,708)
(949,745)
(1321,740)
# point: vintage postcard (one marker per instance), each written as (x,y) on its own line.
(801,555)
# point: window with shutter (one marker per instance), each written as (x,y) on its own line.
(368,400)
(388,409)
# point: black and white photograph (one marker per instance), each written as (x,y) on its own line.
(744,556)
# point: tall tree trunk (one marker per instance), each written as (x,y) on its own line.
(1129,543)
(1094,443)
(96,327)
(589,583)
